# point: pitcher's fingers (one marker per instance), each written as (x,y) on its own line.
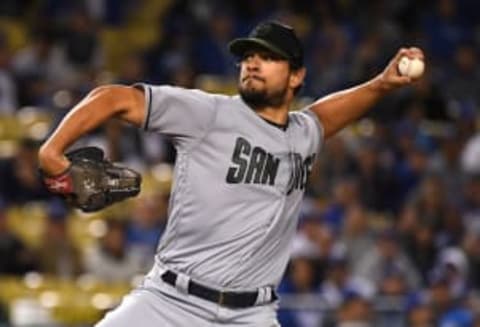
(400,53)
(400,80)
(414,52)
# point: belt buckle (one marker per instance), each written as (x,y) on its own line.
(221,299)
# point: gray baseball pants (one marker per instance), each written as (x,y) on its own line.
(156,303)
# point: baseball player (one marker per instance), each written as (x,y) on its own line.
(239,179)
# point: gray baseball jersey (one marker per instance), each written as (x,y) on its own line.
(237,188)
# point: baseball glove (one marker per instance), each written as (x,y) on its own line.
(92,183)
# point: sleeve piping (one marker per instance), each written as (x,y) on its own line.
(147,90)
(148,98)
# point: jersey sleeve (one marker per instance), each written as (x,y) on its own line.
(183,114)
(314,128)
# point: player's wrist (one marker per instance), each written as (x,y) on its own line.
(379,85)
(51,163)
(55,173)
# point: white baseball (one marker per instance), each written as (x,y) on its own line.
(411,67)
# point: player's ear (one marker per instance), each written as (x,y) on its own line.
(296,77)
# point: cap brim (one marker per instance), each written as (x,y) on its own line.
(239,46)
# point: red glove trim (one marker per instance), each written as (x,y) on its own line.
(62,184)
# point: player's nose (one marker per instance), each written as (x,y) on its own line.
(252,62)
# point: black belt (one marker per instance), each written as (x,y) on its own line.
(227,299)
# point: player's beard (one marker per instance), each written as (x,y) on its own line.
(262,98)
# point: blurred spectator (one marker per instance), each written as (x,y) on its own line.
(410,169)
(453,265)
(314,238)
(302,275)
(15,257)
(386,257)
(301,279)
(58,256)
(8,88)
(374,180)
(111,260)
(419,311)
(453,228)
(339,280)
(392,293)
(310,225)
(356,235)
(172,54)
(366,60)
(80,42)
(392,290)
(211,54)
(149,218)
(328,62)
(355,310)
(445,164)
(19,180)
(471,246)
(79,51)
(445,29)
(39,69)
(345,194)
(471,193)
(335,282)
(421,249)
(393,284)
(470,156)
(430,202)
(335,163)
(407,221)
(132,70)
(429,95)
(464,85)
(110,12)
(449,311)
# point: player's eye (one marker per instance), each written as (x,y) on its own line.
(267,57)
(247,56)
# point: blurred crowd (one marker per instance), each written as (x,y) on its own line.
(392,210)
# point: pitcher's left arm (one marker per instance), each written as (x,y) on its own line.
(339,109)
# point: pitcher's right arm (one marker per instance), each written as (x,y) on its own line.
(124,102)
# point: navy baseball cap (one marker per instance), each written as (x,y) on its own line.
(275,37)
